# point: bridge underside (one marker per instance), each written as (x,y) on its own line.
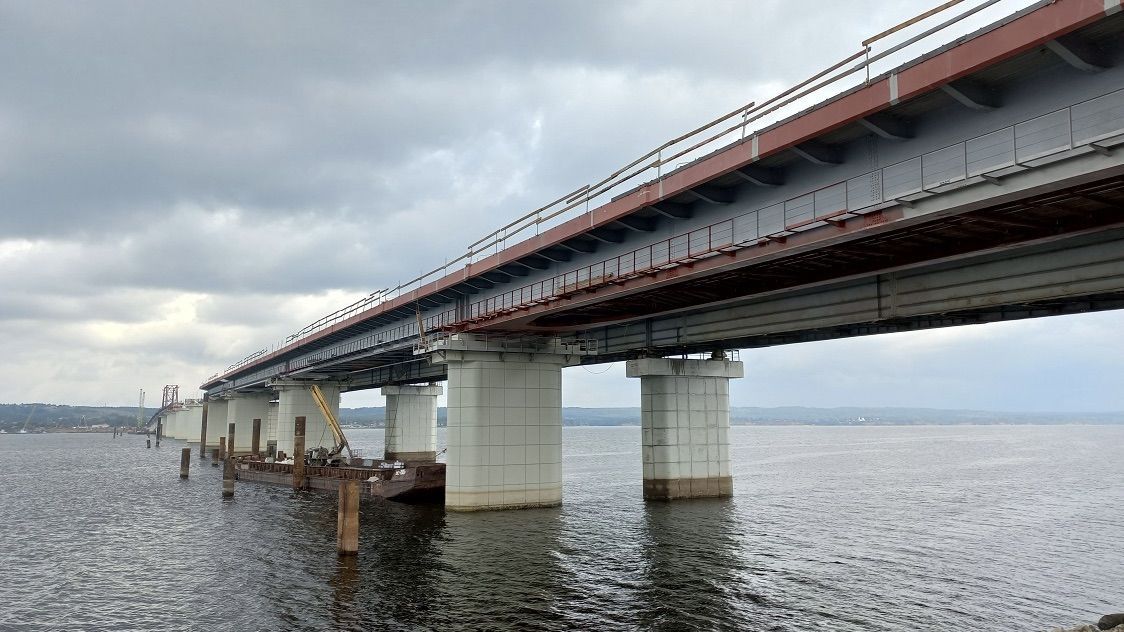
(1052,254)
(990,288)
(1003,227)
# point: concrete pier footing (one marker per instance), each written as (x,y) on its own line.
(411,422)
(505,428)
(222,448)
(685,424)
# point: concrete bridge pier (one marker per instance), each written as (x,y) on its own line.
(170,425)
(180,419)
(685,425)
(216,422)
(411,422)
(241,411)
(295,400)
(193,422)
(505,427)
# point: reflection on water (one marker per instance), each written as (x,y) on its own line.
(692,560)
(829,528)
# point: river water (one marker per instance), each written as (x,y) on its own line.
(891,528)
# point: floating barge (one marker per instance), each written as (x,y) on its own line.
(409,482)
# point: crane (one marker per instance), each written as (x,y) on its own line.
(28,420)
(322,456)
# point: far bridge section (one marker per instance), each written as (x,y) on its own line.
(980,181)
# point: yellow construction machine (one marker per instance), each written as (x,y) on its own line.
(321,456)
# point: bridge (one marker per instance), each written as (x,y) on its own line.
(971,182)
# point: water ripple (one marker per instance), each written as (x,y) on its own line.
(830,528)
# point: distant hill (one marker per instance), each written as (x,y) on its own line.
(846,416)
(46,416)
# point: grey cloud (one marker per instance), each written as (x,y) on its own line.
(127,110)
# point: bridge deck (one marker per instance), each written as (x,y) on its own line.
(860,222)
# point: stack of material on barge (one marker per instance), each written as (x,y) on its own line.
(324,470)
(394,480)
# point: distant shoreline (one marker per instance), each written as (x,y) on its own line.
(63,418)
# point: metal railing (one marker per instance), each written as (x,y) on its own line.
(697,143)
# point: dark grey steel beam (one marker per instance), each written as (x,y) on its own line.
(535,262)
(579,246)
(818,153)
(1078,53)
(606,236)
(888,127)
(557,256)
(479,283)
(761,176)
(637,224)
(972,95)
(514,271)
(713,195)
(672,210)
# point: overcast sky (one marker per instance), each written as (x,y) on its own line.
(184,183)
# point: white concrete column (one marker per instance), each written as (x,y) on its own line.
(175,421)
(505,428)
(411,422)
(243,409)
(216,422)
(295,400)
(685,425)
(193,422)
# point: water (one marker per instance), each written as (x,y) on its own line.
(932,528)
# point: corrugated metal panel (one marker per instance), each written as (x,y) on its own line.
(831,199)
(991,151)
(1098,118)
(864,191)
(771,219)
(1043,135)
(902,179)
(943,166)
(801,209)
(722,234)
(745,228)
